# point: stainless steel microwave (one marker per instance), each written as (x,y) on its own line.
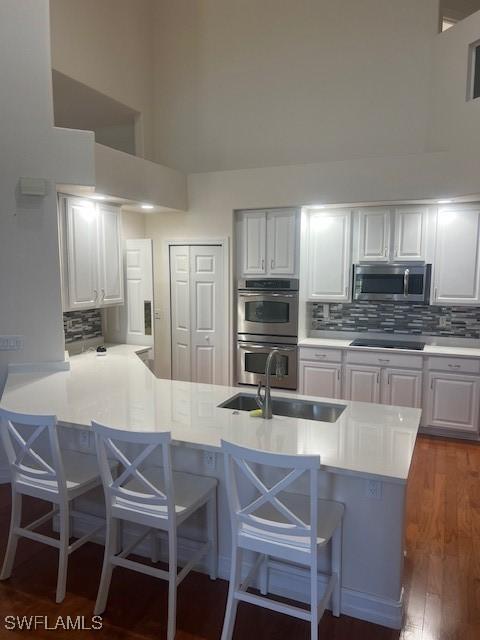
(392,282)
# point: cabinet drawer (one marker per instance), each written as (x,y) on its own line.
(454,365)
(320,355)
(382,359)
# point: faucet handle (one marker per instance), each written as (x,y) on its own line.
(258,397)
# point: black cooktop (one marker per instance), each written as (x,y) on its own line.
(387,344)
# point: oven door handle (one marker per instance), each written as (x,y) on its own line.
(242,345)
(266,295)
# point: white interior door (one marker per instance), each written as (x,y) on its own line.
(206,314)
(139,303)
(180,312)
(198,311)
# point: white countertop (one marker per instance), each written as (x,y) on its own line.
(428,350)
(120,391)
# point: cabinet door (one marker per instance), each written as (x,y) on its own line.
(253,243)
(322,380)
(374,235)
(281,242)
(402,388)
(410,233)
(81,250)
(453,401)
(457,257)
(329,256)
(362,383)
(110,263)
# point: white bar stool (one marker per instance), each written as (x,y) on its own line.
(57,477)
(157,498)
(281,525)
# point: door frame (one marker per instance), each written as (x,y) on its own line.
(224,243)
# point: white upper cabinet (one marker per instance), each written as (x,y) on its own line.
(253,243)
(328,259)
(268,242)
(110,270)
(410,237)
(457,256)
(81,248)
(92,265)
(374,235)
(392,235)
(281,242)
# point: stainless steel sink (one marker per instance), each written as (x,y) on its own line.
(290,407)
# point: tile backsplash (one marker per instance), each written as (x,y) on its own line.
(80,325)
(394,318)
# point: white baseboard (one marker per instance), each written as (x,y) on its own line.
(290,582)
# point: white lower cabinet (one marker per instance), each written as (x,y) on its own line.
(362,383)
(402,388)
(320,379)
(452,401)
(446,388)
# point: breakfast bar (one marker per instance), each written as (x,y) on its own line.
(365,457)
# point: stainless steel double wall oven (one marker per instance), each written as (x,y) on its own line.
(267,319)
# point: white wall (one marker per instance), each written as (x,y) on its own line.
(454,120)
(253,84)
(107,45)
(29,257)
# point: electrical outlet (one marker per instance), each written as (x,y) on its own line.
(442,322)
(373,489)
(11,343)
(84,440)
(209,460)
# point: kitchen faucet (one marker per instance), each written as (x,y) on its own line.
(266,403)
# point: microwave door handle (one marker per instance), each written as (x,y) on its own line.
(406,277)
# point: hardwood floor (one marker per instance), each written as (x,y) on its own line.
(442,590)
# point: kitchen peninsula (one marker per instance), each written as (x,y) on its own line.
(365,457)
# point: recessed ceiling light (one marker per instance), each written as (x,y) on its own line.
(445,201)
(317,206)
(98,196)
(147,206)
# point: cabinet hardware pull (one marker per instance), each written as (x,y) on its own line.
(378,377)
(272,263)
(263,263)
(338,374)
(321,355)
(454,366)
(384,360)
(431,383)
(388,378)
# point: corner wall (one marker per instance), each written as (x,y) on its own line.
(30,301)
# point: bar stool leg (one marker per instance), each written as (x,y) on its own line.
(111,547)
(212,535)
(15,521)
(337,570)
(232,602)
(63,552)
(172,585)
